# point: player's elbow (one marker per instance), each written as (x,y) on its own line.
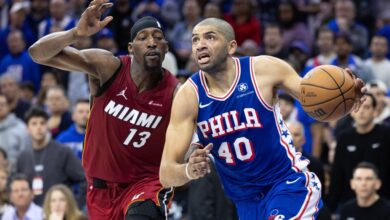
(36,53)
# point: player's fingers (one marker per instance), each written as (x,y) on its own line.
(198,152)
(104,7)
(105,21)
(349,71)
(208,148)
(198,159)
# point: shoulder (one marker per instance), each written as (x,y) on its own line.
(9,213)
(272,66)
(65,135)
(346,133)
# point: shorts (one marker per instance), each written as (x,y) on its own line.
(111,201)
(296,197)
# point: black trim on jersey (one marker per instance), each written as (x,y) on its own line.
(107,84)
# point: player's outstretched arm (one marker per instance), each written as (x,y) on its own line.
(54,49)
(178,138)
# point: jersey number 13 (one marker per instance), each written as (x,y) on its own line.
(138,140)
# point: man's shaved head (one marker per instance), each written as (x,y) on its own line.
(221,26)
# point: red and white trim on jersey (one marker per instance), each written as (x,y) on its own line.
(290,154)
(313,197)
(258,93)
(232,87)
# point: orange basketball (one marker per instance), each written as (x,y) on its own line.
(327,93)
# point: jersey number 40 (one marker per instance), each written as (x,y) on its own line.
(243,150)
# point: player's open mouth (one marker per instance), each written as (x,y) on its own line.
(203,58)
(153,55)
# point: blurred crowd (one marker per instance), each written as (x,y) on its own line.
(44,111)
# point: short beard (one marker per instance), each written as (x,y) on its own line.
(152,69)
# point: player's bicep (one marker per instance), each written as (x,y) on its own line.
(278,74)
(182,124)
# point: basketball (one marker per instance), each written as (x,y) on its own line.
(327,93)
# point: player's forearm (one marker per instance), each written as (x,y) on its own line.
(49,46)
(173,175)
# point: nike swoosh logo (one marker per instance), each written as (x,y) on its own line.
(205,105)
(294,181)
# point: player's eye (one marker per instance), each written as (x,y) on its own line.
(195,39)
(210,37)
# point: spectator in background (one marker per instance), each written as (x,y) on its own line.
(4,159)
(368,204)
(13,135)
(73,137)
(212,10)
(344,21)
(366,141)
(58,20)
(378,61)
(39,11)
(60,204)
(146,8)
(57,106)
(77,7)
(325,44)
(170,13)
(299,53)
(245,24)
(50,78)
(181,35)
(4,8)
(48,162)
(18,63)
(27,92)
(21,196)
(122,23)
(273,42)
(4,200)
(105,40)
(9,88)
(17,21)
(378,89)
(170,63)
(345,58)
(293,27)
(287,107)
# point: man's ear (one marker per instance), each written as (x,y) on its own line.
(130,47)
(232,47)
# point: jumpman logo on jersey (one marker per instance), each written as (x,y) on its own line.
(122,93)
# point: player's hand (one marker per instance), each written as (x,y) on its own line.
(360,90)
(199,162)
(90,22)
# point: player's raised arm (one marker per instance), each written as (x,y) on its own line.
(54,49)
(178,138)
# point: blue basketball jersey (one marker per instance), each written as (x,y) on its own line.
(252,147)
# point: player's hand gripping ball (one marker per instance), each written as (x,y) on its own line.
(327,93)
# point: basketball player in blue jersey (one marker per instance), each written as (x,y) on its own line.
(232,104)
